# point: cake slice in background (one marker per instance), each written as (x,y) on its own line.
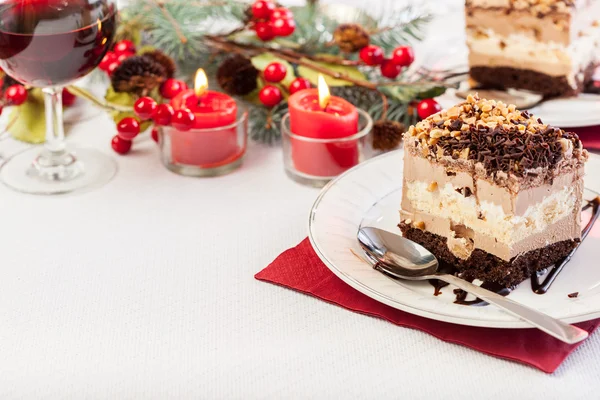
(492,191)
(546,46)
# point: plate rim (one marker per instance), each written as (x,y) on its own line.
(366,290)
(564,123)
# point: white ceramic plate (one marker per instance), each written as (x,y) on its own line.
(369,195)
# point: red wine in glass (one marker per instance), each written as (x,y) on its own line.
(47,43)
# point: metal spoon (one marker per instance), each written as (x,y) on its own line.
(401,258)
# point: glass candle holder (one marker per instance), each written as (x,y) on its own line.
(315,162)
(205,152)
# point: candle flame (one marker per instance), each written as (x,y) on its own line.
(323,90)
(200,83)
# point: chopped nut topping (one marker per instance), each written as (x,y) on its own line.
(432,186)
(500,137)
(539,8)
(419,225)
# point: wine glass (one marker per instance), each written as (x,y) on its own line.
(49,44)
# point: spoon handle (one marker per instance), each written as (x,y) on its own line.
(552,326)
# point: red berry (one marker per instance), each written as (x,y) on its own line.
(68,98)
(262,9)
(171,88)
(15,95)
(371,55)
(144,107)
(112,66)
(299,84)
(264,31)
(154,134)
(120,145)
(124,56)
(275,72)
(281,13)
(270,96)
(390,70)
(403,56)
(163,114)
(183,120)
(124,46)
(283,27)
(128,128)
(428,107)
(108,59)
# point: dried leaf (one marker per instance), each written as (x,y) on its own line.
(312,75)
(30,123)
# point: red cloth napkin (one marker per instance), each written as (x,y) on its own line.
(590,137)
(301,269)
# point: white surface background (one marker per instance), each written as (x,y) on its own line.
(144,289)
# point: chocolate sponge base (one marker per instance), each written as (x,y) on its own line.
(549,86)
(487,267)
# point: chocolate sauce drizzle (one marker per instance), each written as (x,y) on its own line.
(537,286)
(461,295)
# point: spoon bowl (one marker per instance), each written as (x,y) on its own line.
(399,256)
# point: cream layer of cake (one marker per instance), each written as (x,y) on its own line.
(473,213)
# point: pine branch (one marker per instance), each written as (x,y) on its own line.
(266,123)
(177,27)
(399,25)
(203,32)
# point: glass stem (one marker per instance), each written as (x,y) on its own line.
(55,133)
(55,163)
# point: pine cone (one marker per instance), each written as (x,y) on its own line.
(351,37)
(248,15)
(237,76)
(138,74)
(387,135)
(164,60)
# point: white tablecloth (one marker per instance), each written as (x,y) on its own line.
(144,289)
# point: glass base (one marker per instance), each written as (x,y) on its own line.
(32,172)
(308,180)
(191,170)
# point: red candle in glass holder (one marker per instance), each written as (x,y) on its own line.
(317,115)
(209,143)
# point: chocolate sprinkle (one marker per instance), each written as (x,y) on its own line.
(573,295)
(509,150)
(465,191)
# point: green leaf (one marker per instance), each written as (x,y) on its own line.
(145,49)
(431,92)
(30,123)
(252,97)
(124,99)
(260,62)
(407,94)
(312,74)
